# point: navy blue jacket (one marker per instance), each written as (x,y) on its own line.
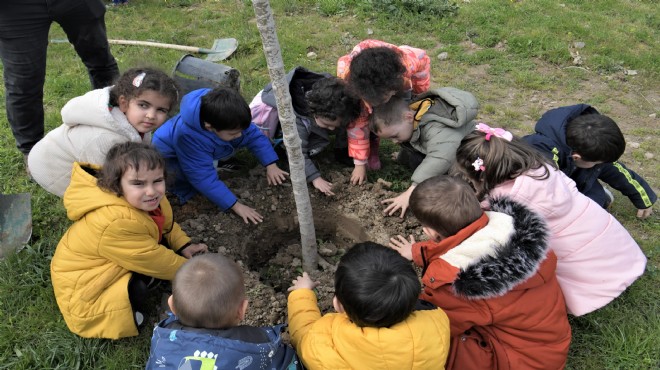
(550,139)
(184,141)
(175,347)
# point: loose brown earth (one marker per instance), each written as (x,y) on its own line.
(270,252)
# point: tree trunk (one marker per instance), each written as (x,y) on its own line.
(266,26)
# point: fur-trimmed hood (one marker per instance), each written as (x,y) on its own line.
(492,260)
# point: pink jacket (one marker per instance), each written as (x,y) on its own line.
(597,257)
(417,78)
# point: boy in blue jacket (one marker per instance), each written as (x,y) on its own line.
(586,146)
(208,303)
(211,126)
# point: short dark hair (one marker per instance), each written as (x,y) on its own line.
(207,292)
(329,98)
(374,72)
(123,156)
(446,204)
(388,114)
(225,109)
(153,80)
(595,137)
(376,286)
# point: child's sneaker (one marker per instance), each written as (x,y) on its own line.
(610,197)
(139,318)
(232,165)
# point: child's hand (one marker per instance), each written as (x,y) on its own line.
(403,246)
(644,213)
(248,214)
(194,249)
(359,175)
(400,202)
(303,282)
(275,175)
(323,186)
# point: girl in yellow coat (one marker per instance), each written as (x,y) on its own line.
(102,264)
(379,324)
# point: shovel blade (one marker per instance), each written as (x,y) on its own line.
(15,222)
(222,49)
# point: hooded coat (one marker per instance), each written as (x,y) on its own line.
(175,347)
(189,151)
(597,259)
(441,129)
(313,139)
(416,79)
(496,281)
(333,342)
(90,128)
(550,139)
(95,258)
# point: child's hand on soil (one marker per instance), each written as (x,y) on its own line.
(400,202)
(303,282)
(359,174)
(195,249)
(248,214)
(323,186)
(275,175)
(403,246)
(644,213)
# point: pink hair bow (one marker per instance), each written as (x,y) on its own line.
(494,131)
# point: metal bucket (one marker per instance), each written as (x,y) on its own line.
(192,73)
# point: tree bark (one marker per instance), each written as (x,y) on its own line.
(266,26)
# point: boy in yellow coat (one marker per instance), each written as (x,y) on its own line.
(379,324)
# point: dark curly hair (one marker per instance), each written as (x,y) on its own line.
(153,80)
(374,73)
(330,99)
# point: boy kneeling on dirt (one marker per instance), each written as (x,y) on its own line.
(428,130)
(208,303)
(379,324)
(211,126)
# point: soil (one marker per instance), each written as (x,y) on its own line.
(270,253)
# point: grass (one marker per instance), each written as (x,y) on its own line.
(513,55)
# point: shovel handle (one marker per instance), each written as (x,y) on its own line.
(159,45)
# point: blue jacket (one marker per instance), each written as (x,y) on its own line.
(186,144)
(550,139)
(174,347)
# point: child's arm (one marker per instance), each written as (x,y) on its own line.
(323,186)
(275,175)
(418,66)
(358,146)
(402,201)
(130,245)
(630,184)
(303,309)
(403,246)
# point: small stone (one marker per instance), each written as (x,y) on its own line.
(311,55)
(370,31)
(633,145)
(443,56)
(296,262)
(630,72)
(273,207)
(245,195)
(652,115)
(648,155)
(578,44)
(326,252)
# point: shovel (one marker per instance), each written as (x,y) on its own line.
(15,222)
(221,49)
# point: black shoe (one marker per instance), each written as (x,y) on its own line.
(231,165)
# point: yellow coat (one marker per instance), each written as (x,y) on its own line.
(94,259)
(333,342)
